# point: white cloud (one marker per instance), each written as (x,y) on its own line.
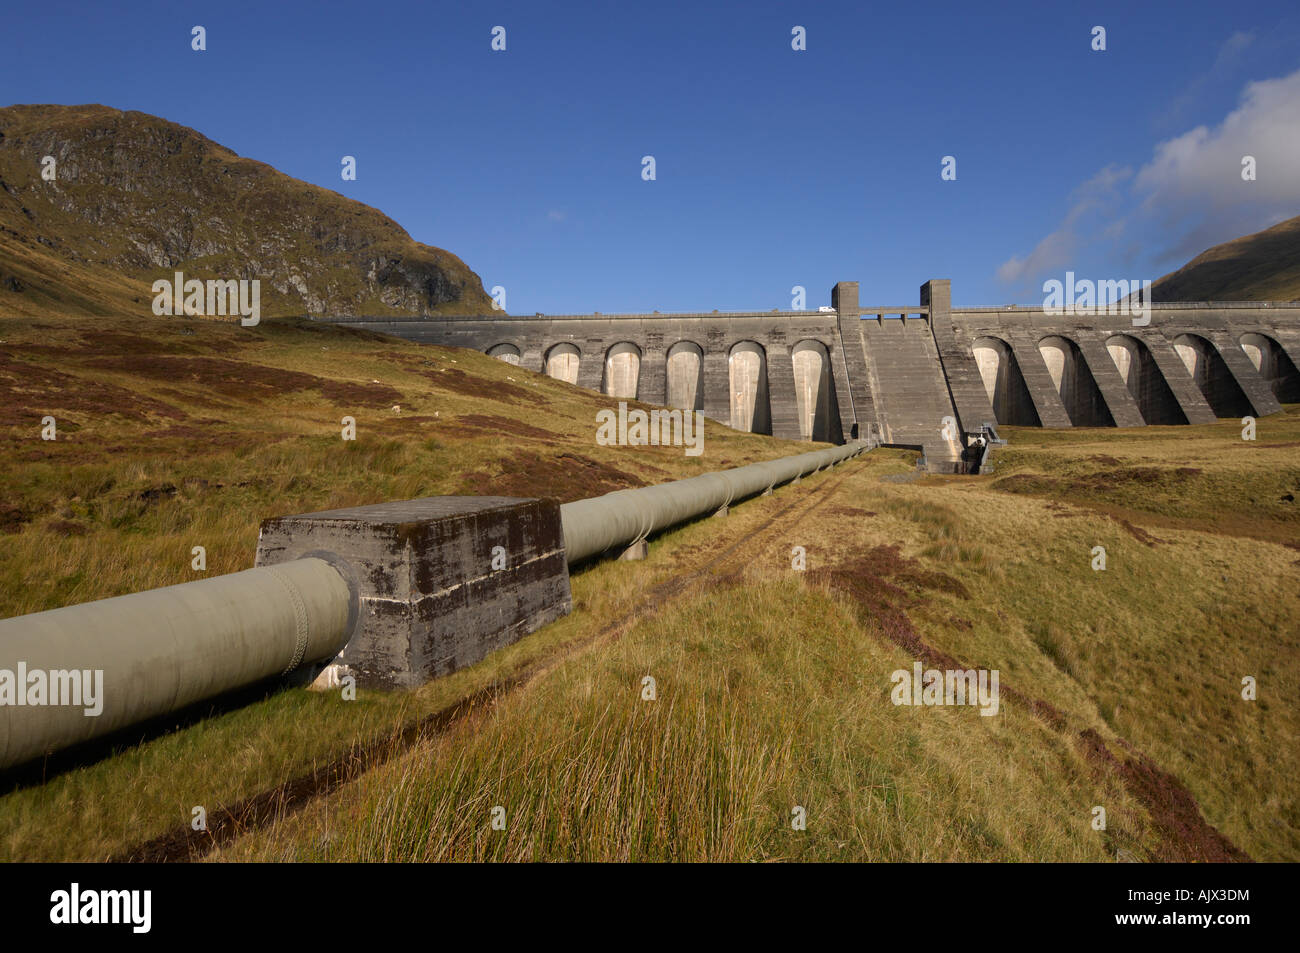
(1193,185)
(1096,198)
(1225,63)
(1190,194)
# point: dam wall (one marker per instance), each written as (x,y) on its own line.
(926,375)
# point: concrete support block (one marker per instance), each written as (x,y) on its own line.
(717,386)
(1123,408)
(781,393)
(652,381)
(849,364)
(1259,396)
(441,581)
(970,400)
(636,551)
(1288,340)
(1038,380)
(1190,400)
(591,365)
(533,360)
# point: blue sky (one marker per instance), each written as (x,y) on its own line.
(774,167)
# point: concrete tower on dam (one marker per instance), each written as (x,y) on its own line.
(927,375)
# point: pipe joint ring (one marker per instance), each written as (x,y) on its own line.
(300,620)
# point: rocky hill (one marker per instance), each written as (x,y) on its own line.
(135,198)
(1264,266)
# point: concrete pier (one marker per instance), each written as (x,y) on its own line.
(441,581)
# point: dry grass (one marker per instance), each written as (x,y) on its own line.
(1120,688)
(753,718)
(150,462)
(177,433)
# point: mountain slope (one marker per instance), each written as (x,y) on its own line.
(1264,266)
(137,198)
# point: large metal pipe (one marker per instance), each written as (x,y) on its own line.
(138,656)
(72,674)
(624,517)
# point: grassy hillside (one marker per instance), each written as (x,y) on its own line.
(136,198)
(177,432)
(1120,688)
(1264,266)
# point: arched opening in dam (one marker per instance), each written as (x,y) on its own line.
(1150,390)
(747,375)
(1207,368)
(814,395)
(1005,384)
(685,370)
(1274,365)
(622,370)
(562,363)
(1074,382)
(505,352)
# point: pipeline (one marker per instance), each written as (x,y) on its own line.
(625,517)
(138,656)
(72,674)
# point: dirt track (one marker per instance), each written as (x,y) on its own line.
(723,560)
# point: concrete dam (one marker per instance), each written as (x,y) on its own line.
(928,375)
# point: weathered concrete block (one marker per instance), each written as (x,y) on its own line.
(442,581)
(638,550)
